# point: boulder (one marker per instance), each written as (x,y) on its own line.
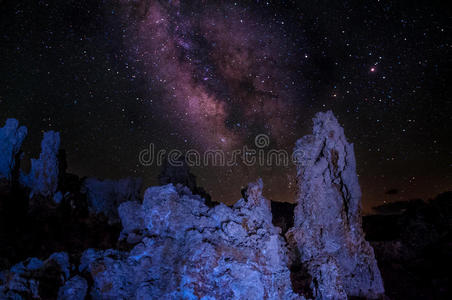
(34,278)
(74,289)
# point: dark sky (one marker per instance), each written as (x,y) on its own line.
(115,76)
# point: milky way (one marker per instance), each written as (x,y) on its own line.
(115,76)
(224,72)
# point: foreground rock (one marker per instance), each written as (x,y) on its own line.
(35,279)
(11,138)
(74,289)
(327,228)
(186,250)
(104,196)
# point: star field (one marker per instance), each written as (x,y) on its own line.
(115,76)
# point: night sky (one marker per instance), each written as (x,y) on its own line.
(115,76)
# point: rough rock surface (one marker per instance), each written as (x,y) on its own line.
(43,176)
(74,289)
(187,250)
(327,226)
(104,196)
(34,278)
(11,138)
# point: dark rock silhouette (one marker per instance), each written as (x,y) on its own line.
(412,246)
(179,173)
(104,196)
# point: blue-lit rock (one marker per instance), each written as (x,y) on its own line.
(74,289)
(43,176)
(33,278)
(327,228)
(11,138)
(187,250)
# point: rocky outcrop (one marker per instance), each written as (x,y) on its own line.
(104,196)
(55,217)
(74,289)
(327,228)
(34,278)
(43,176)
(186,250)
(177,244)
(11,138)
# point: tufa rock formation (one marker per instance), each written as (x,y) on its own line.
(43,176)
(34,278)
(32,223)
(176,244)
(11,138)
(186,250)
(327,228)
(74,289)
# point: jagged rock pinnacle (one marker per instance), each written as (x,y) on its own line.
(327,227)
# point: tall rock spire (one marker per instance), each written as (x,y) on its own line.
(11,138)
(327,227)
(43,176)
